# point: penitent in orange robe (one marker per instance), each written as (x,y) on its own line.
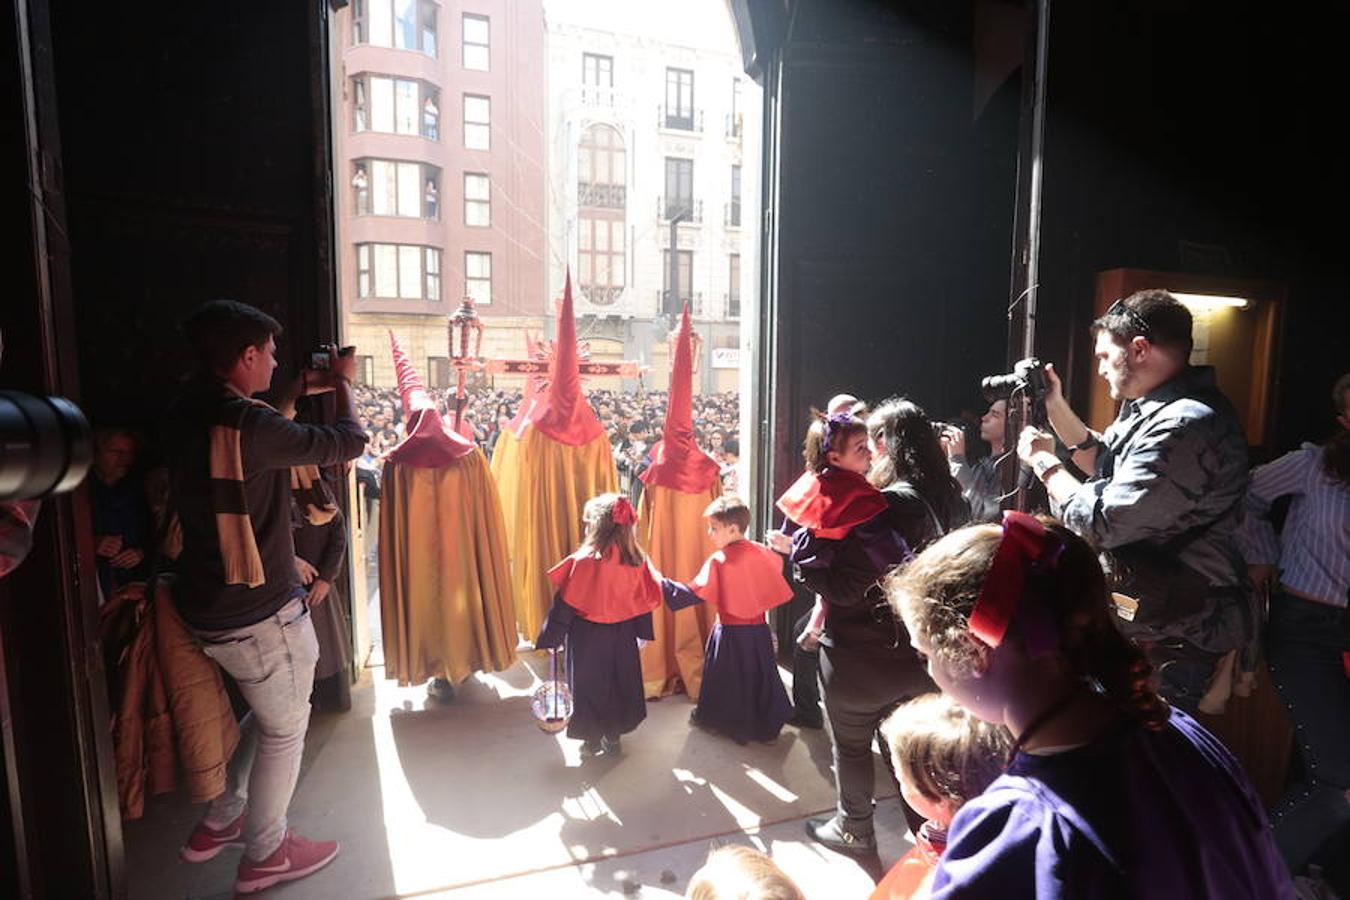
(557,458)
(445,592)
(680,483)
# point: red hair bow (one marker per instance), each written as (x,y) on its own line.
(622,512)
(1024,544)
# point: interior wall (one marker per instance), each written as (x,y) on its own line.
(196,162)
(1195,137)
(893,215)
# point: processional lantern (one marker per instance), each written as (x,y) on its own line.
(463,323)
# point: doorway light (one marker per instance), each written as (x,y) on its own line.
(1210,302)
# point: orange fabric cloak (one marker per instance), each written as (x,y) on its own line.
(680,484)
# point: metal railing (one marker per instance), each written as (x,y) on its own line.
(677,120)
(735,125)
(694,299)
(665,210)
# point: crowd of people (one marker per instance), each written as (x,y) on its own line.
(1004,659)
(633,422)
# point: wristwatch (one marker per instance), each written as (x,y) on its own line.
(1044,465)
(1088,443)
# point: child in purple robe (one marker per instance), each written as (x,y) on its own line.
(1108,792)
(606,592)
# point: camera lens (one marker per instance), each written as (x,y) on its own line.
(45,446)
(999,387)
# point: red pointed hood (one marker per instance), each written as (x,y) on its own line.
(567,418)
(530,396)
(677,461)
(428,442)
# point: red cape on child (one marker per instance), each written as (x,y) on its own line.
(605,590)
(743,581)
(831,503)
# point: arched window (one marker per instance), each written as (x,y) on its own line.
(602,172)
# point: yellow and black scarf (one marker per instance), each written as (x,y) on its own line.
(234,529)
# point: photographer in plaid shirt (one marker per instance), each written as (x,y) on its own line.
(1164,499)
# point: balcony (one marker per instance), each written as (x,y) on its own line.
(731,214)
(732,304)
(695,301)
(666,209)
(602,196)
(597,97)
(679,120)
(735,125)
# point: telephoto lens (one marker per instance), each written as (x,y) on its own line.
(45,446)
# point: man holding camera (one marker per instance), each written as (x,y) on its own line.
(231,459)
(1165,497)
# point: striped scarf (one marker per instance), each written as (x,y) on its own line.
(234,528)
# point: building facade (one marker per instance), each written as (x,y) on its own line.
(650,121)
(440,170)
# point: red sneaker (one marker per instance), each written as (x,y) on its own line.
(206,842)
(296,858)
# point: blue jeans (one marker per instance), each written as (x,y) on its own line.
(272,661)
(1305,643)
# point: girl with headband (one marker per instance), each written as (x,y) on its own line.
(1108,792)
(605,594)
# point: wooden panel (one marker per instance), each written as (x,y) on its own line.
(1258,732)
(1241,342)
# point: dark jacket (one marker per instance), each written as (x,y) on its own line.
(269,445)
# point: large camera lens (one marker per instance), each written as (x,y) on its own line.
(45,446)
(1000,387)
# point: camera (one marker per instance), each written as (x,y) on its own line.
(46,446)
(1026,378)
(321,359)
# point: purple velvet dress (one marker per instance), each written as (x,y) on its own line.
(604,669)
(1138,813)
(742,694)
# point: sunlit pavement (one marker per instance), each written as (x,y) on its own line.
(471,799)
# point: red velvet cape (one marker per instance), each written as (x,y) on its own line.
(605,590)
(743,580)
(831,503)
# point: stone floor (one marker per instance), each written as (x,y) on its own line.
(472,800)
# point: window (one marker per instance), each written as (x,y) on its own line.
(365,370)
(601,199)
(403,24)
(600,257)
(396,106)
(734,120)
(476,42)
(359,32)
(597,71)
(363,282)
(477,122)
(386,187)
(679,186)
(680,99)
(478,277)
(398,271)
(602,168)
(477,200)
(438,371)
(734,286)
(360,105)
(734,213)
(686,275)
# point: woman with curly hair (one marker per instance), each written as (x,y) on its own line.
(1108,792)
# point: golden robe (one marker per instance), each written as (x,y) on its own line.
(544,485)
(672,530)
(445,590)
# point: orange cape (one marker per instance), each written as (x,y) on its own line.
(744,580)
(831,503)
(605,590)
